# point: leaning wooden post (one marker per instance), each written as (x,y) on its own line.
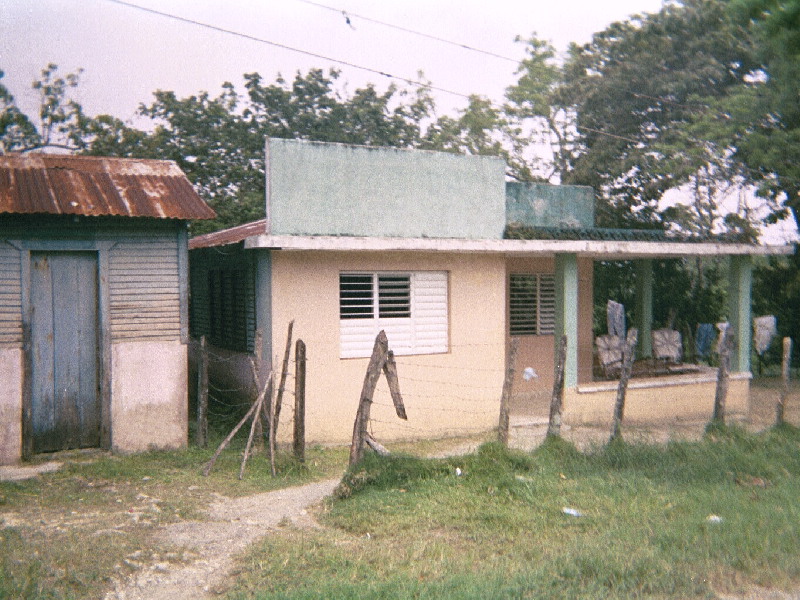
(628,352)
(786,372)
(253,426)
(374,369)
(226,441)
(258,370)
(557,400)
(390,370)
(721,394)
(202,395)
(300,401)
(505,398)
(284,374)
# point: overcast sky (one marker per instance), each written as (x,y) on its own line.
(127,53)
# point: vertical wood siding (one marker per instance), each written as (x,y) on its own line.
(144,288)
(223,298)
(10,297)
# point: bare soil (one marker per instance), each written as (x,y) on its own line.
(212,545)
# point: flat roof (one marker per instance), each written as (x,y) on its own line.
(598,249)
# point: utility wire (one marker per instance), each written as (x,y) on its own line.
(427,86)
(347,14)
(253,38)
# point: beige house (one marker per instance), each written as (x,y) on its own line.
(359,240)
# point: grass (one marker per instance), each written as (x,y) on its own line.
(69,532)
(405,527)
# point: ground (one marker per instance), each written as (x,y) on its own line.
(209,546)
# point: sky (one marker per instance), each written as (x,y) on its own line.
(128,53)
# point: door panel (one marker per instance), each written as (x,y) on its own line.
(65,399)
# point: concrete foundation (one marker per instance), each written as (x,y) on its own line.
(149,398)
(11,405)
(689,397)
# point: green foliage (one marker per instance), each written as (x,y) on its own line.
(498,529)
(685,292)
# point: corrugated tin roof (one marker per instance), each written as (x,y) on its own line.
(97,186)
(234,235)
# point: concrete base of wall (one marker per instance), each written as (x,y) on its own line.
(687,398)
(149,407)
(11,360)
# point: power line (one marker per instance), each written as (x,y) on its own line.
(347,14)
(252,38)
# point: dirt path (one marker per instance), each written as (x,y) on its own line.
(233,525)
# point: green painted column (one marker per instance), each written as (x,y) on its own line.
(567,312)
(644,306)
(739,309)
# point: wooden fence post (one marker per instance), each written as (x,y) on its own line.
(226,441)
(721,394)
(557,400)
(505,398)
(628,352)
(390,370)
(202,395)
(374,369)
(284,374)
(300,401)
(786,365)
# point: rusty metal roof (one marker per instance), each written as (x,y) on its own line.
(97,186)
(234,235)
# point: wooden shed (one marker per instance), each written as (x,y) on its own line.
(93,303)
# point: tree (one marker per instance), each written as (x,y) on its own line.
(60,118)
(540,116)
(635,88)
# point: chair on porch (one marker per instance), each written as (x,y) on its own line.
(667,346)
(609,354)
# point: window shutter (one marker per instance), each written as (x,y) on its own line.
(547,304)
(411,308)
(522,304)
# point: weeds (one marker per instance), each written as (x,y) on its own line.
(677,521)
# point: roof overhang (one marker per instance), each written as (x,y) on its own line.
(601,250)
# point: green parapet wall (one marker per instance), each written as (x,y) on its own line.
(316,188)
(545,205)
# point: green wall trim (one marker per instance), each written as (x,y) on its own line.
(566,267)
(739,309)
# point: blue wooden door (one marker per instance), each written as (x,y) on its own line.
(65,395)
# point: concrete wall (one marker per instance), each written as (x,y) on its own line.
(11,405)
(688,397)
(149,398)
(445,394)
(337,189)
(543,205)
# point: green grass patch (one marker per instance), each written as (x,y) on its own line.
(685,520)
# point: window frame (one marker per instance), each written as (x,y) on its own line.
(539,301)
(412,307)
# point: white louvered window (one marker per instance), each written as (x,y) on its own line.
(532,304)
(411,307)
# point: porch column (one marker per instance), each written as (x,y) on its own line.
(739,310)
(567,312)
(644,306)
